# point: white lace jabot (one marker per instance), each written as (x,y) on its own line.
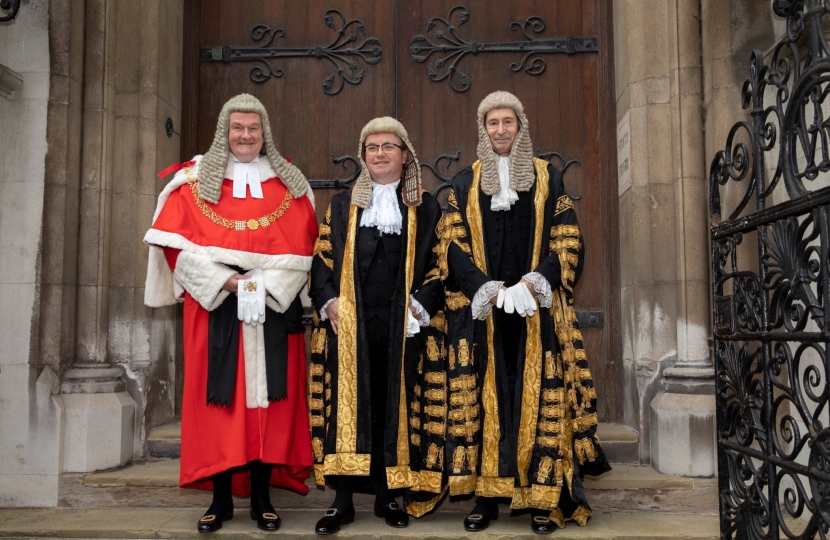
(383,211)
(506,196)
(246,175)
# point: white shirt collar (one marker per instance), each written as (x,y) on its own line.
(246,175)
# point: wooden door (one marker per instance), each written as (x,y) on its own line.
(319,95)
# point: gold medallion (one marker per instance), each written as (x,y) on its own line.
(253,224)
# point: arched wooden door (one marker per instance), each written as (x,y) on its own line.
(325,68)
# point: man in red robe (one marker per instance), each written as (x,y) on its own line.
(233,238)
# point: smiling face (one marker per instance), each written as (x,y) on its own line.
(385,166)
(502,126)
(245,136)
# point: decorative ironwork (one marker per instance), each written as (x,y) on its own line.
(339,52)
(771,290)
(448,41)
(444,180)
(10,7)
(339,183)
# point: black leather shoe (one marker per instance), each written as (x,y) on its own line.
(479,522)
(268,521)
(542,524)
(212,522)
(331,522)
(394,515)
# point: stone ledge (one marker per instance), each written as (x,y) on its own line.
(166,473)
(167,523)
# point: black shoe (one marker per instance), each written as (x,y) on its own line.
(542,524)
(268,521)
(479,522)
(212,522)
(393,514)
(331,522)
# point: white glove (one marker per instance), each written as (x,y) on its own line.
(412,325)
(517,298)
(251,298)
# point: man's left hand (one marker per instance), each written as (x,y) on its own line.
(415,312)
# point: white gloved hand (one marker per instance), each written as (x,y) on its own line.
(519,299)
(412,325)
(251,298)
(523,300)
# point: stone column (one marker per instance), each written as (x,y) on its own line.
(682,415)
(97,408)
(663,234)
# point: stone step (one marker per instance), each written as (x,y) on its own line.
(620,442)
(165,441)
(627,488)
(177,523)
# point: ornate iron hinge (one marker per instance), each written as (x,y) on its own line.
(338,52)
(448,41)
(11,7)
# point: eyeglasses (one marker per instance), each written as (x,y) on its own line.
(386,147)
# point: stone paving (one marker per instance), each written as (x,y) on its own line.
(143,501)
(163,523)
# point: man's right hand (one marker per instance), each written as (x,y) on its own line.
(495,298)
(333,311)
(232,285)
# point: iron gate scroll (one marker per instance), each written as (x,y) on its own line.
(771,290)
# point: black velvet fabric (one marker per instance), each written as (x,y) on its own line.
(508,242)
(380,296)
(223,349)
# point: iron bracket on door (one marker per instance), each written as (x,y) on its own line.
(448,41)
(339,52)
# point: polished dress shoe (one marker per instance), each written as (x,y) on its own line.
(212,522)
(331,522)
(542,524)
(267,521)
(393,514)
(479,522)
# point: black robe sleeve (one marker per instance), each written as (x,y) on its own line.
(460,264)
(566,242)
(323,287)
(431,292)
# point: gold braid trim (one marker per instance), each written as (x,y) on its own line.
(463,485)
(563,203)
(532,377)
(347,464)
(419,508)
(234,224)
(456,300)
(346,439)
(404,480)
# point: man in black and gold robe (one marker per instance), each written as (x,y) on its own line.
(522,418)
(377,385)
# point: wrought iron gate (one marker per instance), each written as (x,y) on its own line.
(771,290)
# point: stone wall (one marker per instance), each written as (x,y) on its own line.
(28,429)
(86,88)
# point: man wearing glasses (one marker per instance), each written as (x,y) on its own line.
(378,339)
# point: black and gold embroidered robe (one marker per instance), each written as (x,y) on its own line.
(535,449)
(340,411)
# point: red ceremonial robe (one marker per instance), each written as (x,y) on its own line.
(216,438)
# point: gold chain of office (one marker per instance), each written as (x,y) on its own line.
(234,224)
